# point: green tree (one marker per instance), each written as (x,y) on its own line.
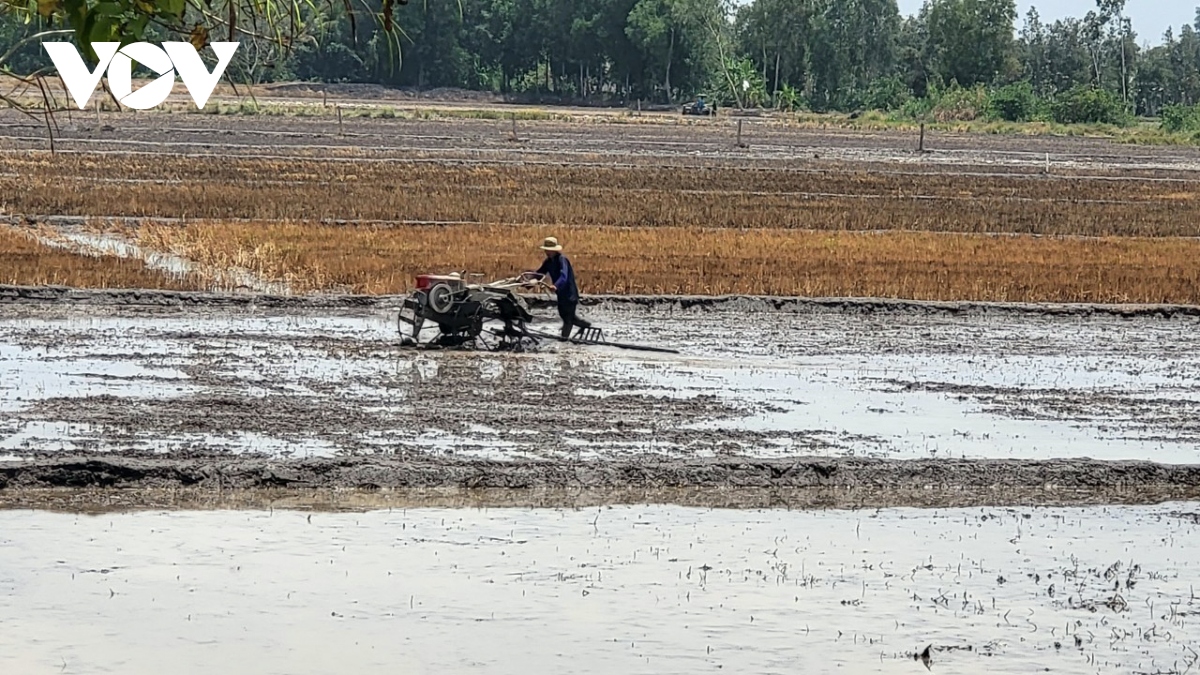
(675,41)
(823,54)
(1087,104)
(1055,57)
(776,35)
(887,93)
(913,53)
(279,21)
(431,43)
(853,44)
(971,41)
(654,32)
(1181,118)
(1015,102)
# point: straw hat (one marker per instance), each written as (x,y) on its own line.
(551,244)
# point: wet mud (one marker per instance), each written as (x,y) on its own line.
(97,500)
(39,295)
(837,482)
(907,405)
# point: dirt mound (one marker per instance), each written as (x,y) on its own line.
(1054,477)
(381,93)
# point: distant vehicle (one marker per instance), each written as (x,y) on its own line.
(699,107)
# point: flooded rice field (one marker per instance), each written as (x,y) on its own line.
(631,589)
(326,383)
(279,490)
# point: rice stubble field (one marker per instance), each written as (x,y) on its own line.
(842,214)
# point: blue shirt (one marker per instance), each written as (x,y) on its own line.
(562,275)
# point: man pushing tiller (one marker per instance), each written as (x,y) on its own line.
(559,273)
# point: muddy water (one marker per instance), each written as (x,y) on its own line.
(629,589)
(323,383)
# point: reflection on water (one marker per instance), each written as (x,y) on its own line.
(629,589)
(912,385)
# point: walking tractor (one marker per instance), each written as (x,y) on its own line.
(699,107)
(492,315)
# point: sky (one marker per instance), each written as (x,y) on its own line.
(1150,18)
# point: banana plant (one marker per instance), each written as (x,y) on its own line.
(788,99)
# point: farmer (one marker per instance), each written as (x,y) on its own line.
(557,271)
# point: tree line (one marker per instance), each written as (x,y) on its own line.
(953,59)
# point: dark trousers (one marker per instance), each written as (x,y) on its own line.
(567,311)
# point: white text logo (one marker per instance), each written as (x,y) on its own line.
(118,61)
